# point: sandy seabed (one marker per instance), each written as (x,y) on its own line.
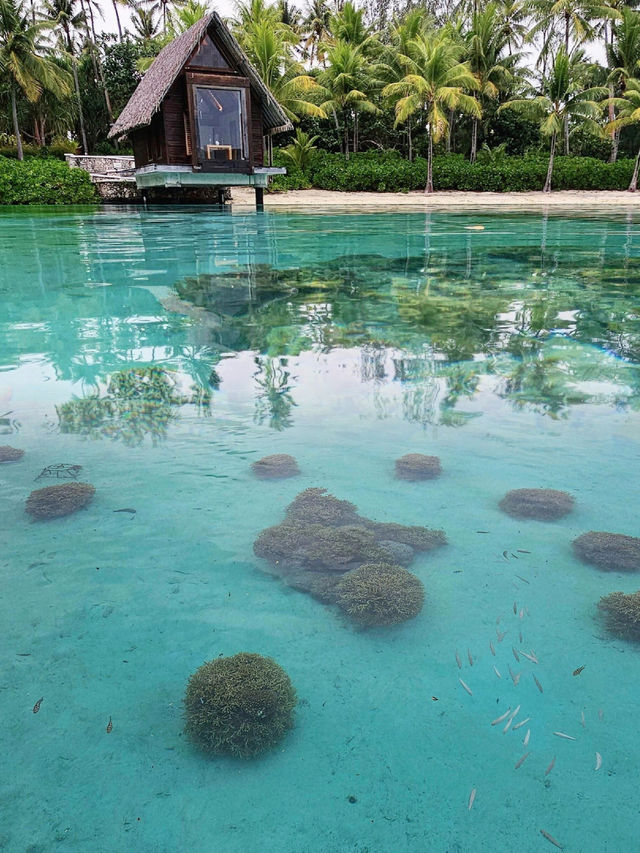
(578,201)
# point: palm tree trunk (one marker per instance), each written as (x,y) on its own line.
(76,83)
(474,140)
(566,31)
(16,126)
(115,9)
(452,117)
(615,142)
(547,183)
(429,188)
(633,186)
(410,141)
(346,136)
(566,135)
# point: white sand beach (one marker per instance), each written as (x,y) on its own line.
(570,200)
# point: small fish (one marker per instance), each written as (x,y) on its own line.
(493,651)
(497,671)
(505,554)
(470,658)
(532,658)
(550,838)
(582,720)
(521,614)
(515,713)
(522,551)
(434,698)
(501,635)
(563,735)
(550,767)
(109,726)
(538,685)
(466,687)
(598,761)
(508,726)
(515,556)
(601,713)
(501,717)
(482,531)
(522,760)
(524,580)
(514,677)
(521,723)
(126,509)
(472,797)
(515,606)
(36,707)
(520,637)
(515,654)
(525,742)
(579,670)
(458,661)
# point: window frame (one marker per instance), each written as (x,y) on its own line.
(215,81)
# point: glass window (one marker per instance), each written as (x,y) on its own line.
(221,123)
(208,56)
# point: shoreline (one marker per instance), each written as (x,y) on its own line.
(579,201)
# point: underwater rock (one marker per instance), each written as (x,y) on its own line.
(622,614)
(240,705)
(10,454)
(316,506)
(402,554)
(57,501)
(294,543)
(613,552)
(541,504)
(418,538)
(276,466)
(322,586)
(416,466)
(379,594)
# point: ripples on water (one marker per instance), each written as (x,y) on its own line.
(512,353)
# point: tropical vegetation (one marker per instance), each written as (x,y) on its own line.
(449,89)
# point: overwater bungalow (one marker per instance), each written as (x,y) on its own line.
(199,119)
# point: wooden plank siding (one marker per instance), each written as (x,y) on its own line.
(174,109)
(256,144)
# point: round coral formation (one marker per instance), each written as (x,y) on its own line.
(379,594)
(613,552)
(540,504)
(57,501)
(316,506)
(416,466)
(240,705)
(275,467)
(10,454)
(622,614)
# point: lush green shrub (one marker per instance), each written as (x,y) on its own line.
(57,149)
(388,172)
(295,179)
(39,181)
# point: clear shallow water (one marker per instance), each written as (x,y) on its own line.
(512,353)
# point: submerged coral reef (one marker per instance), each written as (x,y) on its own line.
(621,614)
(240,705)
(417,466)
(57,501)
(322,538)
(139,401)
(613,552)
(379,594)
(10,454)
(541,504)
(275,467)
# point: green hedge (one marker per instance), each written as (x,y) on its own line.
(36,181)
(388,172)
(58,148)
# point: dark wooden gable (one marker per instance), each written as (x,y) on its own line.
(207,64)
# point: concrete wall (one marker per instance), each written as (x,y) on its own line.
(121,166)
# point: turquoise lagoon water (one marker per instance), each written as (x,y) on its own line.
(509,346)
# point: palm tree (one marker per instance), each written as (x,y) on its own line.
(183,17)
(22,63)
(435,81)
(628,106)
(486,43)
(561,101)
(623,59)
(317,26)
(145,23)
(347,82)
(566,18)
(64,14)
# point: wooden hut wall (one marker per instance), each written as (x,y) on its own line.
(176,123)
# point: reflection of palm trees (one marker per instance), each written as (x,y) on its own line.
(273,399)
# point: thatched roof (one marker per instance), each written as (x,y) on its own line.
(152,89)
